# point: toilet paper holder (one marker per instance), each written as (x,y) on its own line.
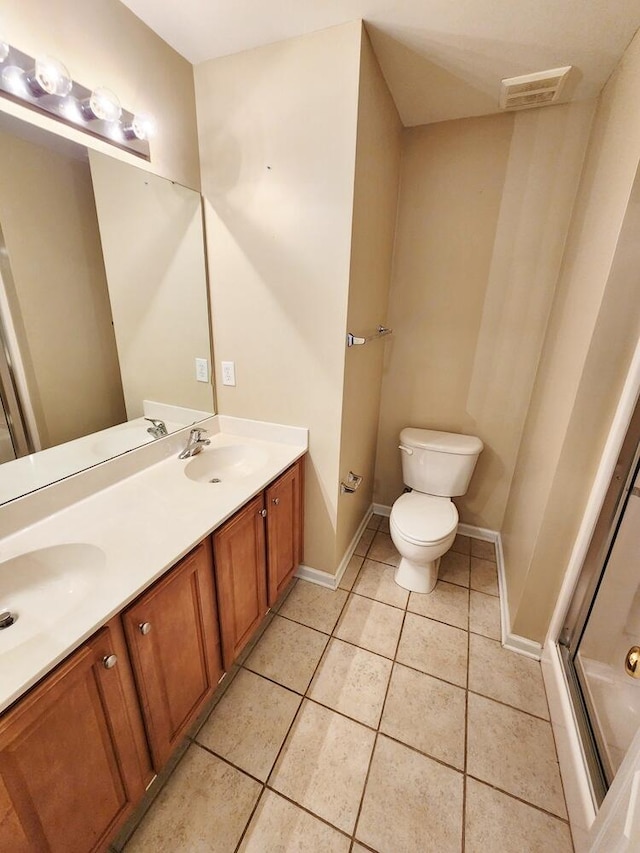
(352,483)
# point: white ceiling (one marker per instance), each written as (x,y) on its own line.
(442,59)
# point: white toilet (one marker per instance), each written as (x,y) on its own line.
(423,524)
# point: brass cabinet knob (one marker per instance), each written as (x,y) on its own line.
(631,662)
(276,501)
(109,661)
(144,627)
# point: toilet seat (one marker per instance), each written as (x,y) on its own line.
(424,519)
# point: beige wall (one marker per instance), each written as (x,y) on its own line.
(375,202)
(104,44)
(484,209)
(60,301)
(592,331)
(277,129)
(153,249)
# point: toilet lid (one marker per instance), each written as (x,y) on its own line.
(424,518)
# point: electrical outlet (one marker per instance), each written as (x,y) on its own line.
(202,370)
(228,373)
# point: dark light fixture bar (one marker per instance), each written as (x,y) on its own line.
(44,84)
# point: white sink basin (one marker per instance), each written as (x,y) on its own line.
(40,588)
(227,463)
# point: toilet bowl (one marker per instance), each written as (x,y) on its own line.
(423,528)
(436,466)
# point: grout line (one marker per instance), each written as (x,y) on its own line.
(518,799)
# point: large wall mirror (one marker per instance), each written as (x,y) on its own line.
(104,313)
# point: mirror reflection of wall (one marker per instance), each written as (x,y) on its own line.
(58,293)
(93,351)
(152,239)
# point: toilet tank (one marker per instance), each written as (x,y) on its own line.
(438,463)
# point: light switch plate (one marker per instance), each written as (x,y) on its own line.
(202,369)
(228,373)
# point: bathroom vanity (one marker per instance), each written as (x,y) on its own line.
(192,555)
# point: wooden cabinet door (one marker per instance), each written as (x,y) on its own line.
(73,758)
(284,502)
(172,632)
(239,551)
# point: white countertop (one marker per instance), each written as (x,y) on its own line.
(142,525)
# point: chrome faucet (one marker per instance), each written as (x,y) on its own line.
(158,429)
(195,443)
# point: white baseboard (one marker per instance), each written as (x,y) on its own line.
(381,509)
(317,576)
(308,573)
(482,533)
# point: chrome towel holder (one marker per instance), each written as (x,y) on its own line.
(380,332)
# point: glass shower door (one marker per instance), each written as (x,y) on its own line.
(607,657)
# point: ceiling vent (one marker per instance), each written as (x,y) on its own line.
(533,90)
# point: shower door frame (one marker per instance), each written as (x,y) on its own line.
(585,592)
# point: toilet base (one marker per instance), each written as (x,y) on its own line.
(417,578)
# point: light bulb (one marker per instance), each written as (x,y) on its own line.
(102,104)
(14,81)
(142,126)
(49,77)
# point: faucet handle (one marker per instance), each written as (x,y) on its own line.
(155,422)
(197,433)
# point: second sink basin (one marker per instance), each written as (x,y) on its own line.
(230,462)
(41,587)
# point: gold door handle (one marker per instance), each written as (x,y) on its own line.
(631,662)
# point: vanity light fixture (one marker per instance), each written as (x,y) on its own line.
(44,84)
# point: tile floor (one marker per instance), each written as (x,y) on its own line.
(371,719)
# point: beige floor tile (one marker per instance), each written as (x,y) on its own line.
(461,544)
(426,713)
(484,615)
(514,752)
(288,653)
(358,848)
(447,603)
(383,550)
(374,522)
(280,827)
(496,822)
(205,805)
(351,572)
(482,549)
(376,580)
(384,524)
(315,606)
(249,724)
(411,804)
(484,576)
(434,648)
(506,676)
(363,543)
(352,681)
(454,568)
(323,764)
(371,625)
